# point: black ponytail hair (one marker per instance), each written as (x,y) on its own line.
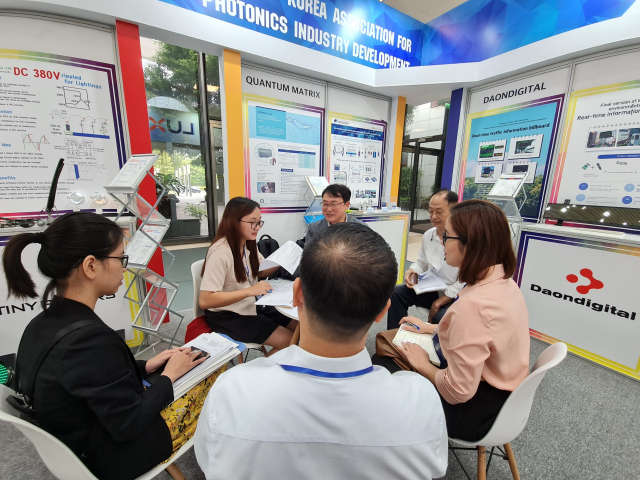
(65,244)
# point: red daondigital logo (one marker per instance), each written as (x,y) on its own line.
(584,289)
(156,124)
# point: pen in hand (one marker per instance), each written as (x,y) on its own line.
(411,325)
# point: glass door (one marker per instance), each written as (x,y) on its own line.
(215,127)
(425,187)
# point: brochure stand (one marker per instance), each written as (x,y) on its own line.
(313,196)
(503,194)
(160,293)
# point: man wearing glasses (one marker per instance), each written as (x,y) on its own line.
(335,203)
(431,257)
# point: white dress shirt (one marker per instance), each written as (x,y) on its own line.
(267,420)
(431,257)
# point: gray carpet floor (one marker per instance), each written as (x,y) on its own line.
(584,424)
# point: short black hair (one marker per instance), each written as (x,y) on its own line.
(448,195)
(338,190)
(347,273)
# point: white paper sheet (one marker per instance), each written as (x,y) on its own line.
(132,173)
(141,247)
(287,257)
(429,282)
(425,340)
(282,295)
(211,343)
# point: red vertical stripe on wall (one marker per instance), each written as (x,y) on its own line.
(135,100)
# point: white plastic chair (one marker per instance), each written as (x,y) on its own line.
(59,459)
(514,413)
(196,270)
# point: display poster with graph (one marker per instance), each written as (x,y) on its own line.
(54,107)
(599,161)
(356,154)
(283,126)
(512,128)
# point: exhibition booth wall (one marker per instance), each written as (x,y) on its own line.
(574,130)
(290,110)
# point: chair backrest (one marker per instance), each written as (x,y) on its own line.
(515,412)
(58,458)
(196,270)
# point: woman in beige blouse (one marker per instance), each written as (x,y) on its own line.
(484,336)
(230,282)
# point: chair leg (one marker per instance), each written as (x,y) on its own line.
(240,359)
(174,471)
(512,461)
(482,464)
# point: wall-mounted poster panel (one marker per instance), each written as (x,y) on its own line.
(283,131)
(356,154)
(511,128)
(57,106)
(600,153)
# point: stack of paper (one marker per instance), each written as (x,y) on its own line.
(424,340)
(220,351)
(282,295)
(287,257)
(429,282)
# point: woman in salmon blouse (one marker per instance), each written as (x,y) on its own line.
(484,336)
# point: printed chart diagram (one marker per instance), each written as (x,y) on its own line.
(27,138)
(76,98)
(83,172)
(80,148)
(86,126)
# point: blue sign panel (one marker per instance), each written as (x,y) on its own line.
(363,31)
(371,33)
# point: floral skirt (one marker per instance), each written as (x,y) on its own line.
(182,415)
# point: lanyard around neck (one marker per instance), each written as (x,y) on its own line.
(246,266)
(318,373)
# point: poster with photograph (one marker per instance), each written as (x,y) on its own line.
(522,114)
(488,172)
(54,107)
(283,139)
(492,151)
(600,154)
(522,166)
(525,147)
(356,154)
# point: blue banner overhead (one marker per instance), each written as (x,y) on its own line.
(363,31)
(371,33)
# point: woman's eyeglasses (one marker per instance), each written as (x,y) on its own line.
(124,260)
(254,225)
(446,237)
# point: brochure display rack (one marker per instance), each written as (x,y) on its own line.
(313,197)
(158,291)
(503,194)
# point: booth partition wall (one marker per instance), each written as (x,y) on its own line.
(422,160)
(183,101)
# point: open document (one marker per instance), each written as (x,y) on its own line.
(220,351)
(287,257)
(424,340)
(429,282)
(282,295)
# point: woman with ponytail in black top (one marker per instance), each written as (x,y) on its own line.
(88,391)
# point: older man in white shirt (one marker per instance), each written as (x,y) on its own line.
(318,410)
(431,257)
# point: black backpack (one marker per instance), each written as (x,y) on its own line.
(267,245)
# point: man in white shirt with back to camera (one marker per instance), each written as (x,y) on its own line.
(320,410)
(431,257)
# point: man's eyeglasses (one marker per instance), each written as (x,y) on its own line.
(331,205)
(446,237)
(254,225)
(437,214)
(124,260)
